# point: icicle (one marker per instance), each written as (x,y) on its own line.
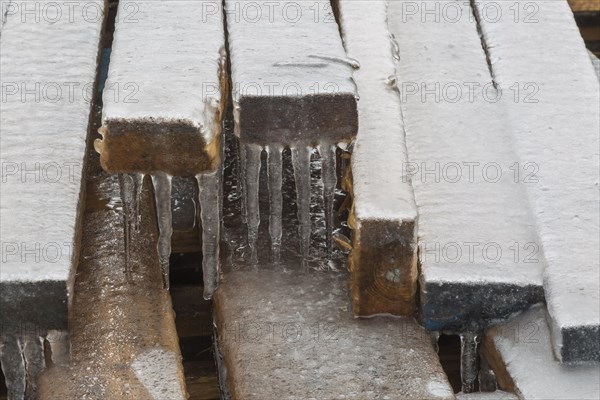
(33,353)
(301,162)
(138,185)
(435,338)
(126,186)
(208,196)
(487,378)
(274,162)
(13,365)
(162,198)
(59,347)
(329,184)
(468,361)
(252,174)
(242,179)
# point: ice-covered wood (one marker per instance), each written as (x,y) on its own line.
(475,229)
(557,127)
(383,262)
(292,82)
(165,93)
(520,353)
(48,71)
(289,335)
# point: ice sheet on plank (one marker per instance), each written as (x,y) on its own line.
(557,127)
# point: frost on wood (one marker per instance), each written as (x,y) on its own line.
(555,124)
(163,111)
(520,352)
(290,335)
(292,87)
(383,261)
(475,228)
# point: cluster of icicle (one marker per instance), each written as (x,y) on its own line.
(210,213)
(250,164)
(23,358)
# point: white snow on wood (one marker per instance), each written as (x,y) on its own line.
(473,212)
(525,349)
(165,64)
(286,48)
(558,130)
(47,71)
(381,188)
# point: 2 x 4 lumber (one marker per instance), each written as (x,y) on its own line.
(557,128)
(383,261)
(479,253)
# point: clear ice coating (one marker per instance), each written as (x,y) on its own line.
(275,177)
(468,361)
(209,197)
(301,162)
(162,197)
(251,156)
(329,177)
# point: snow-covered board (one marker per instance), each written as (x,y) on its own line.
(48,70)
(478,248)
(520,353)
(164,102)
(291,80)
(383,262)
(292,336)
(556,126)
(291,87)
(164,96)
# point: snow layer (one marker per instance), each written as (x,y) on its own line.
(559,131)
(474,218)
(525,350)
(165,64)
(381,189)
(286,48)
(48,70)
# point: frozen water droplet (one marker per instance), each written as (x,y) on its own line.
(13,365)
